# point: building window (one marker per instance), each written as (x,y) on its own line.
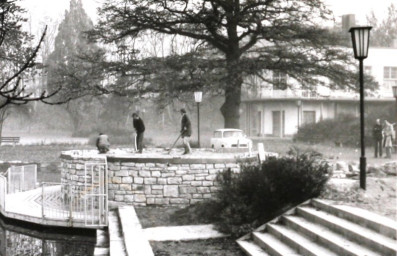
(390,73)
(279,80)
(309,117)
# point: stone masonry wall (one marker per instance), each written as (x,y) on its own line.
(143,181)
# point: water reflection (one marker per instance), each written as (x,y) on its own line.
(16,240)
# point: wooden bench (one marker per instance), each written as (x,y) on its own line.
(13,140)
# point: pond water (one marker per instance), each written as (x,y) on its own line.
(21,239)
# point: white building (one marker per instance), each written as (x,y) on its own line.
(278,113)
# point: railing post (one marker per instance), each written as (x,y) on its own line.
(70,205)
(42,200)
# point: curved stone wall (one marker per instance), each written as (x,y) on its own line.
(155,180)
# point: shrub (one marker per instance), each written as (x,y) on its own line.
(261,192)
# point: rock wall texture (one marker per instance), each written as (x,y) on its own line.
(155,181)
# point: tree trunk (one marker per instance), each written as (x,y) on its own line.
(231,107)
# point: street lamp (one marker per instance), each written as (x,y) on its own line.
(198,96)
(360,40)
(395,96)
(298,104)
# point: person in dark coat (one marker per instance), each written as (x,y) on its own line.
(377,134)
(140,129)
(186,131)
(102,143)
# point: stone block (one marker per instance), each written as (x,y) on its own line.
(174,180)
(161,165)
(156,173)
(187,190)
(119,198)
(161,201)
(119,192)
(199,178)
(206,196)
(203,190)
(232,165)
(157,192)
(197,195)
(167,174)
(130,164)
(150,200)
(215,171)
(194,201)
(113,186)
(197,171)
(219,166)
(171,191)
(135,187)
(179,201)
(161,181)
(138,180)
(129,198)
(208,183)
(139,198)
(209,166)
(133,173)
(172,168)
(116,180)
(150,164)
(180,172)
(121,174)
(127,180)
(125,186)
(188,177)
(210,177)
(196,183)
(157,187)
(214,189)
(197,166)
(150,181)
(144,174)
(148,190)
(113,167)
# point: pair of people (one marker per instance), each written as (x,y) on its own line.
(139,126)
(383,137)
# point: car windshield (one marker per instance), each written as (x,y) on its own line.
(228,134)
(218,134)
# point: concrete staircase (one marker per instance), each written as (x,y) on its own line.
(321,228)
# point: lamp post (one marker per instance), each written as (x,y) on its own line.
(197,98)
(360,40)
(298,104)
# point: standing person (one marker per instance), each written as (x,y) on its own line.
(186,131)
(140,129)
(377,134)
(102,143)
(388,131)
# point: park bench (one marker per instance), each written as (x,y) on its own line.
(13,140)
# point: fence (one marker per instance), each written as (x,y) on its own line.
(67,203)
(21,178)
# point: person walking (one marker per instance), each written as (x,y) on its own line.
(388,132)
(186,131)
(139,127)
(377,134)
(102,143)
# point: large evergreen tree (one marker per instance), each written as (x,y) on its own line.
(242,37)
(66,69)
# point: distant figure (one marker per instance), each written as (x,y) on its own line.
(140,129)
(377,134)
(102,143)
(388,132)
(186,131)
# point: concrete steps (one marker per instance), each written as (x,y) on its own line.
(322,228)
(116,239)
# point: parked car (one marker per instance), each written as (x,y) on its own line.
(230,138)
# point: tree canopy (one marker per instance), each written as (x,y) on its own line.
(384,32)
(236,38)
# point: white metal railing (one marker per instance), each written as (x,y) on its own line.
(21,178)
(85,203)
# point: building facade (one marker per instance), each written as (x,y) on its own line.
(274,111)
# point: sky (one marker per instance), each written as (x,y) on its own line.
(55,9)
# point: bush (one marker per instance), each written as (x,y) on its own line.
(261,192)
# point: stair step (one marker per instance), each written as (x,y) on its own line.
(272,245)
(251,249)
(116,241)
(353,231)
(300,243)
(326,237)
(380,224)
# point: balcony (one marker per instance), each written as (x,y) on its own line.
(266,93)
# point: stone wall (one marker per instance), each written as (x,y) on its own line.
(156,181)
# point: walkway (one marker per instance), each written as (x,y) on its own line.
(26,206)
